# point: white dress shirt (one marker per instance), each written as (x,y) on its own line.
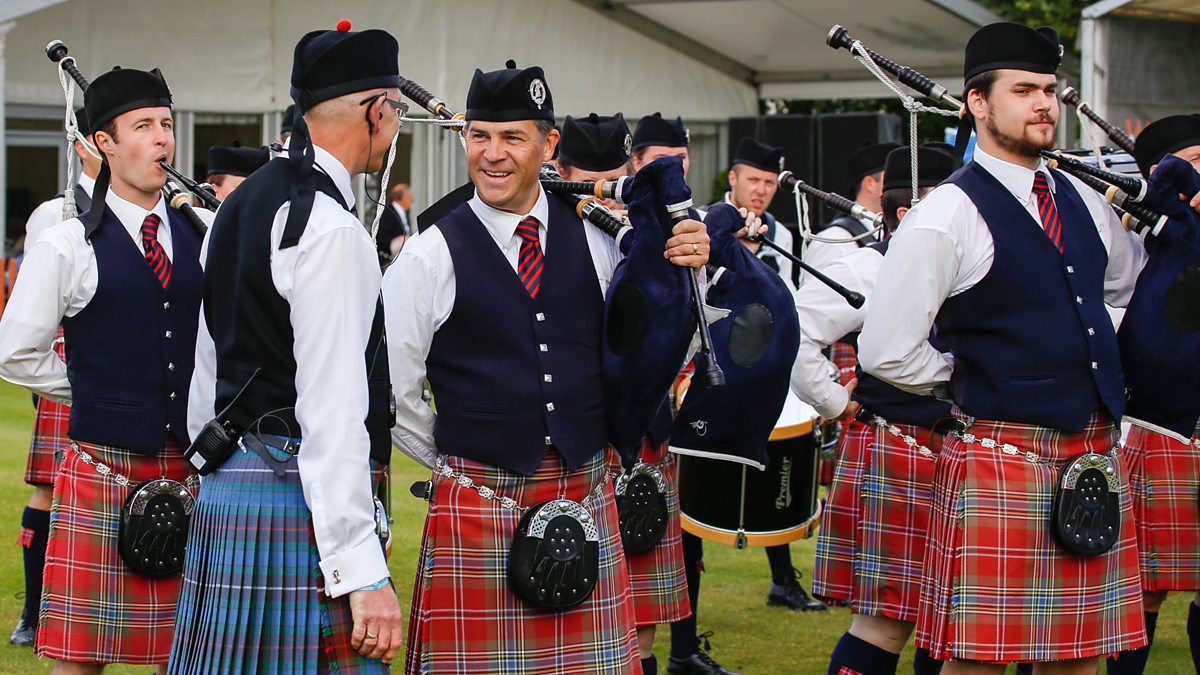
(418,291)
(49,213)
(826,317)
(58,279)
(820,254)
(781,236)
(330,281)
(945,248)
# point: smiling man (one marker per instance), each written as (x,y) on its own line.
(500,305)
(1013,263)
(124,280)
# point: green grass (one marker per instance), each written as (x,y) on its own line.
(748,635)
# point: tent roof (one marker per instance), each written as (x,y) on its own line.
(1182,10)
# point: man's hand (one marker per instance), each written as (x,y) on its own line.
(689,247)
(1195,202)
(852,407)
(377,630)
(753,224)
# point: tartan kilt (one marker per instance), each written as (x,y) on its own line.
(846,359)
(1164,481)
(94,609)
(998,588)
(893,526)
(253,594)
(49,433)
(656,577)
(837,538)
(465,619)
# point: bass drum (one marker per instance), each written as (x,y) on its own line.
(733,503)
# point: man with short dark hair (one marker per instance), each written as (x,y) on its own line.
(872,538)
(1014,263)
(753,175)
(865,170)
(285,567)
(500,304)
(124,281)
(655,137)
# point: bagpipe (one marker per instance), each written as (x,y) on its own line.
(1137,215)
(56,51)
(839,38)
(1071,97)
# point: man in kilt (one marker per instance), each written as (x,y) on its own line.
(49,438)
(500,306)
(1013,263)
(124,281)
(876,519)
(598,148)
(285,569)
(1160,354)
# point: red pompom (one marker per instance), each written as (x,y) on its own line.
(343,26)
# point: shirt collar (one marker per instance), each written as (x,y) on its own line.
(331,166)
(131,215)
(502,225)
(1016,178)
(87,183)
(729,199)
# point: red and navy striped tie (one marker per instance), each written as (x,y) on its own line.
(1050,220)
(155,255)
(529,265)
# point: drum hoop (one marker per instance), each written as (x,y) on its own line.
(721,535)
(792,431)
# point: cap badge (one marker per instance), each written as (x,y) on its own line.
(537,92)
(781,162)
(628,145)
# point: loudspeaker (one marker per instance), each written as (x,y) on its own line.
(841,135)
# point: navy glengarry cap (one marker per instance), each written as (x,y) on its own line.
(234,160)
(1163,137)
(509,95)
(1013,46)
(934,165)
(331,63)
(654,130)
(868,160)
(123,89)
(595,142)
(758,155)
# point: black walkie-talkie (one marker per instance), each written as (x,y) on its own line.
(215,442)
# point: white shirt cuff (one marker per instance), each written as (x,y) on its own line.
(357,568)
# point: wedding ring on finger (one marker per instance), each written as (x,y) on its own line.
(695,250)
(371,636)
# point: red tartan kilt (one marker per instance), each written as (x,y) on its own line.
(1164,480)
(893,526)
(837,538)
(465,619)
(656,577)
(846,360)
(998,587)
(94,609)
(49,433)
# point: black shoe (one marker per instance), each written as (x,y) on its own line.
(792,596)
(24,634)
(696,664)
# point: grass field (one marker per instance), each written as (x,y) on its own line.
(749,636)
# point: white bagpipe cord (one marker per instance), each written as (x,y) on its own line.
(910,104)
(805,224)
(1092,134)
(381,204)
(69,209)
(438,122)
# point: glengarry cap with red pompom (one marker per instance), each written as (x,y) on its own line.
(330,63)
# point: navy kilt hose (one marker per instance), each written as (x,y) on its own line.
(998,588)
(1164,480)
(464,617)
(253,598)
(94,608)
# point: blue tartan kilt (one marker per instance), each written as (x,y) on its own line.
(252,598)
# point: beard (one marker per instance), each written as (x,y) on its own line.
(1019,145)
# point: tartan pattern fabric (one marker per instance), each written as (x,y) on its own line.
(49,432)
(893,526)
(530,261)
(833,569)
(93,608)
(998,588)
(253,595)
(846,360)
(464,617)
(1047,211)
(656,577)
(156,256)
(1164,481)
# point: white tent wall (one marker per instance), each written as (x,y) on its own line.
(234,56)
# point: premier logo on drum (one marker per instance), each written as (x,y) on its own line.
(700,427)
(784,499)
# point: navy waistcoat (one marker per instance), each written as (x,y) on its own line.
(512,376)
(250,322)
(130,351)
(1032,341)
